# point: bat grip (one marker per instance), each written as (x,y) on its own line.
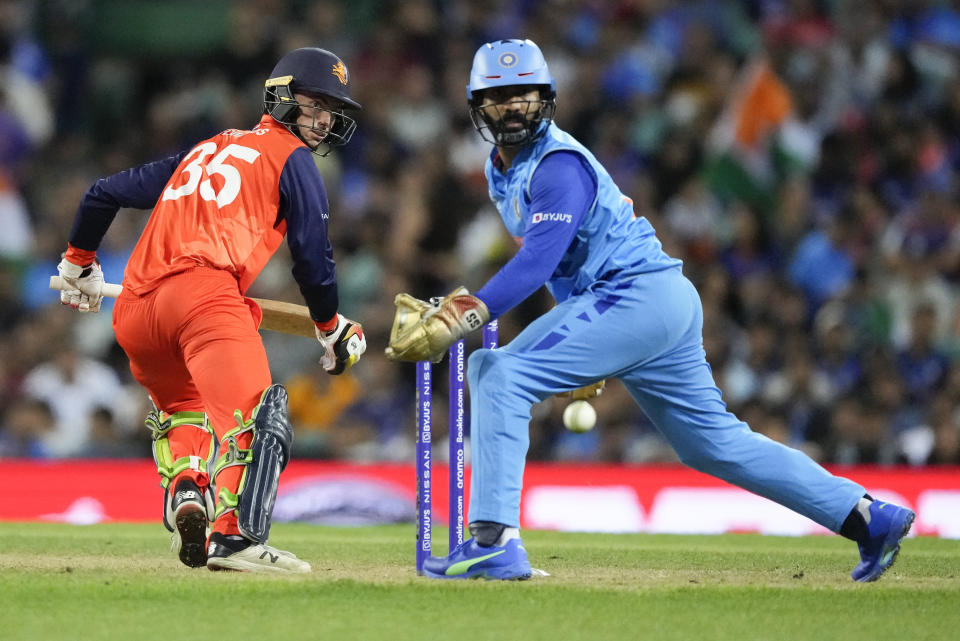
(110,290)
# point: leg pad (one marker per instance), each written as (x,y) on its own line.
(160,425)
(263,462)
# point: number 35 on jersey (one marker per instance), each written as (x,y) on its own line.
(198,171)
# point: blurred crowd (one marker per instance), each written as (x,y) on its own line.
(801,156)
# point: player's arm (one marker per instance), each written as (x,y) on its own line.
(139,188)
(304,206)
(562,184)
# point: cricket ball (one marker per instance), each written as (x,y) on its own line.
(579,417)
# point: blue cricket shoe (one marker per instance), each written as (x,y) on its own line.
(469,561)
(888,525)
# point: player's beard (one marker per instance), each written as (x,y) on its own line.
(513,129)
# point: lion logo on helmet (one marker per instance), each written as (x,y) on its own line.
(340,71)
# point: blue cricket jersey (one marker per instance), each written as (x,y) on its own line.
(574,224)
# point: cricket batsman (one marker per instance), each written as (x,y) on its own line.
(221,432)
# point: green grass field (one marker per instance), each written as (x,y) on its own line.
(120,581)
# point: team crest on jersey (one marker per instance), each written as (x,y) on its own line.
(340,71)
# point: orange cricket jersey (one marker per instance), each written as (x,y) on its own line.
(219,209)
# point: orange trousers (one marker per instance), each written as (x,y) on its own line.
(193,344)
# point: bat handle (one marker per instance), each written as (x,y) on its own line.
(110,290)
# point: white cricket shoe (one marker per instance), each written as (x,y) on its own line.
(243,555)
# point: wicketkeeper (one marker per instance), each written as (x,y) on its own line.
(221,434)
(624,309)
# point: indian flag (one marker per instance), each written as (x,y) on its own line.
(757,141)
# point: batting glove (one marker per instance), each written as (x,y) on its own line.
(84,285)
(342,346)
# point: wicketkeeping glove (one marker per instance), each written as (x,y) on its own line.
(84,285)
(423,331)
(342,346)
(586,392)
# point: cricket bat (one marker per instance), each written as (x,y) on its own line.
(278,316)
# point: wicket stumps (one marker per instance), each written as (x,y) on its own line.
(424,465)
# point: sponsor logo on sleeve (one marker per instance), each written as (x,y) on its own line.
(542,216)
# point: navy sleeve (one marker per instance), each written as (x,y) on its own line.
(303,203)
(561,189)
(139,188)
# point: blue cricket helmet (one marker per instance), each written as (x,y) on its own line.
(508,63)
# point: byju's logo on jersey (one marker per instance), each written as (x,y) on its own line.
(541,216)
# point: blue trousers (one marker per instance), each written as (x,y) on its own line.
(646,331)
